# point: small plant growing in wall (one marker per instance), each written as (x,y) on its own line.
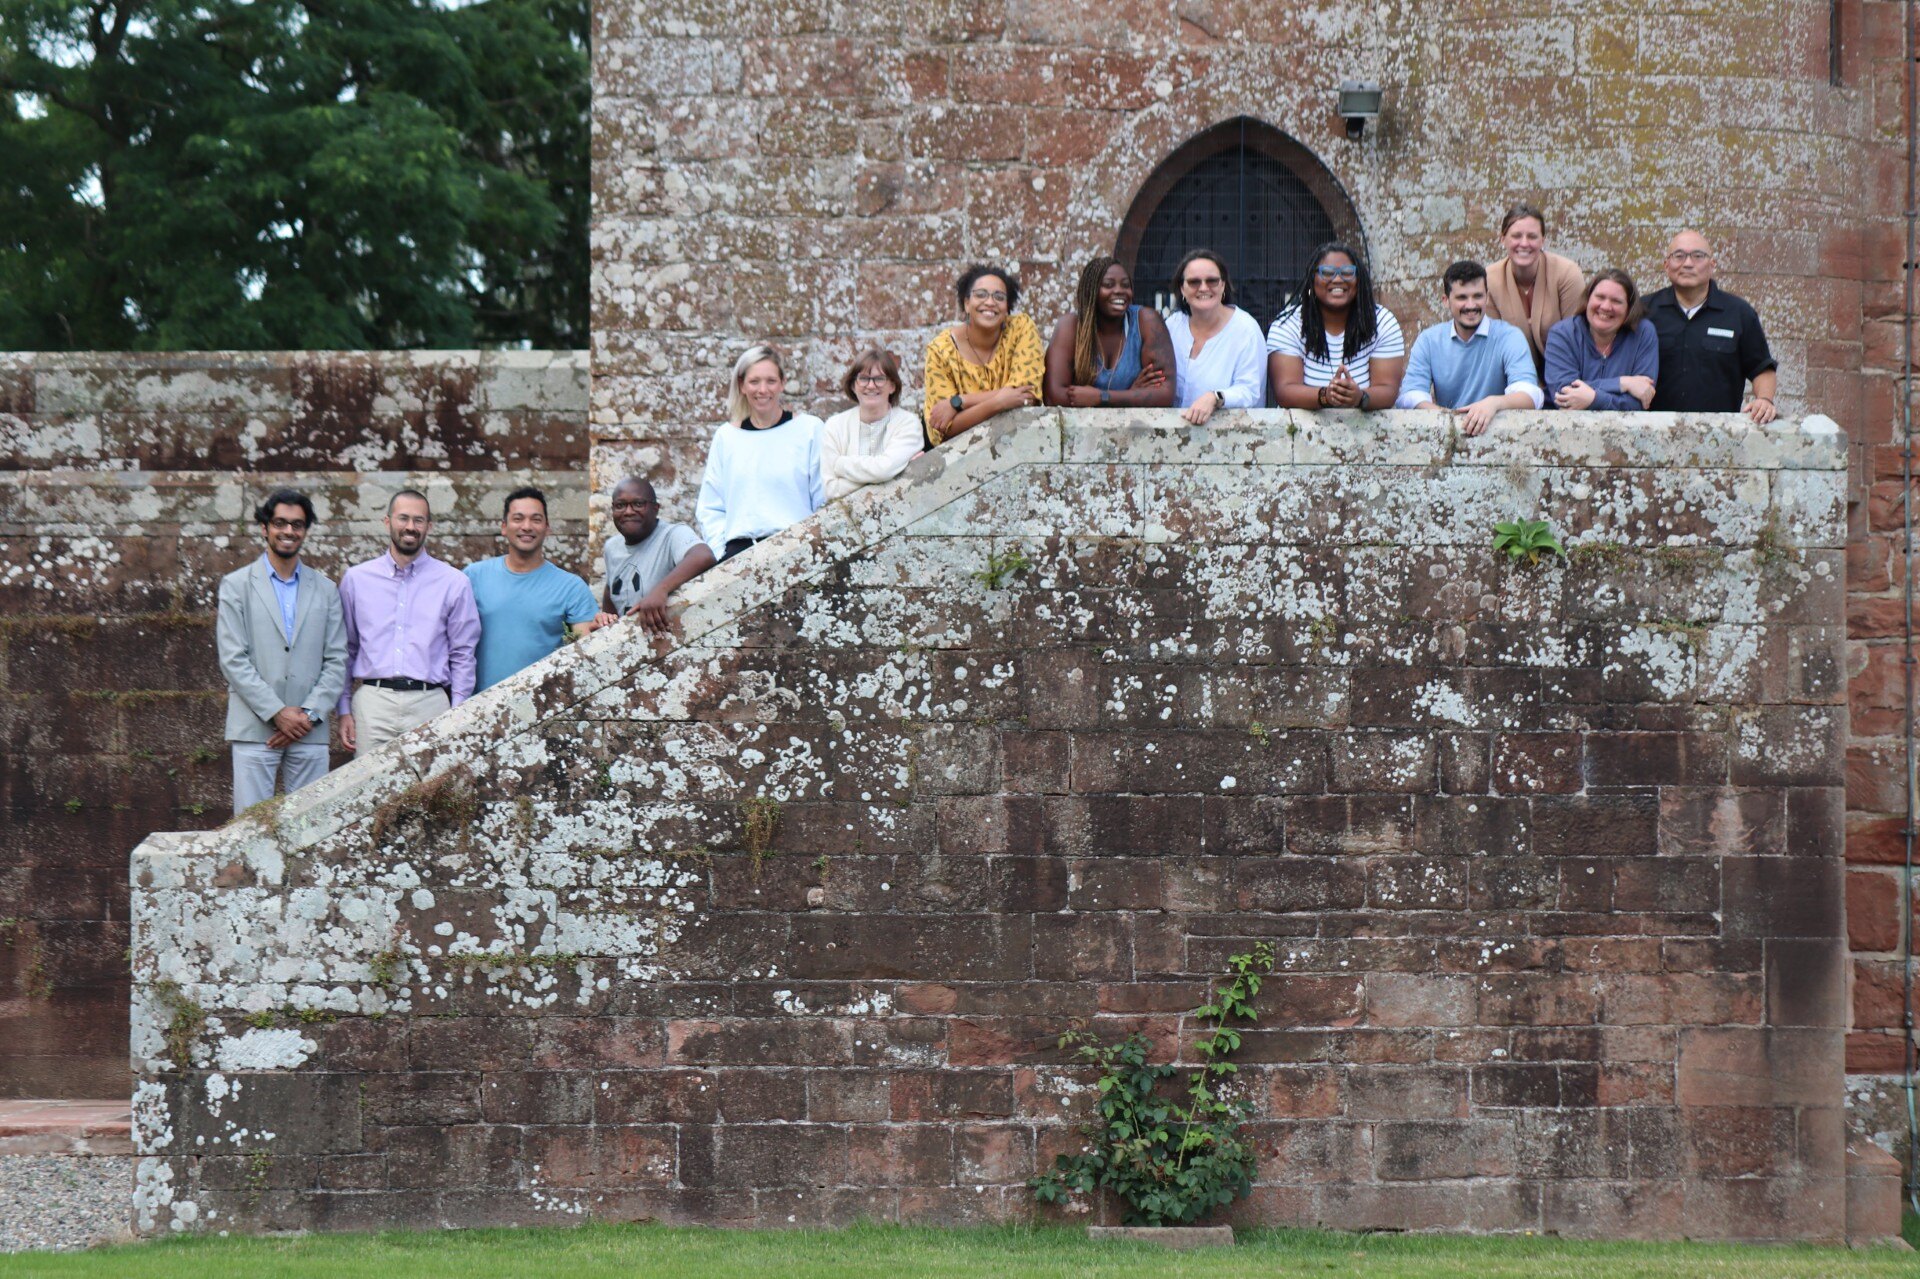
(760,818)
(1174,1156)
(1002,567)
(1525,541)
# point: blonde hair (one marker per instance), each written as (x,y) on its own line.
(736,400)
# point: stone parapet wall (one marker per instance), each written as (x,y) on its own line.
(293,411)
(780,921)
(127,485)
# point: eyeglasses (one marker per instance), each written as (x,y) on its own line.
(872,379)
(1689,255)
(411,521)
(287,526)
(1196,282)
(634,506)
(1336,272)
(987,295)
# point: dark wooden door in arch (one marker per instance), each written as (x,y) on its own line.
(1251,194)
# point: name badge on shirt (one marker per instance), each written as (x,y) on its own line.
(1719,333)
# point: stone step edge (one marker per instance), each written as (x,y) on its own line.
(80,1128)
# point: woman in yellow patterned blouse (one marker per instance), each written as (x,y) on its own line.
(989,362)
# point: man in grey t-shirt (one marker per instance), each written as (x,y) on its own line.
(648,560)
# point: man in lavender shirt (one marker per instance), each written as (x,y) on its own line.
(411,633)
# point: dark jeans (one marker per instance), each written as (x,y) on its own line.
(735,545)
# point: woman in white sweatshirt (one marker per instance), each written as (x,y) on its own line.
(763,467)
(874,440)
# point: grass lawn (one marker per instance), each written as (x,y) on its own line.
(886,1252)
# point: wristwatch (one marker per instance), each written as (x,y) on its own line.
(1106,398)
(957,401)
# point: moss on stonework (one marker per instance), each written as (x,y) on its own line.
(470,961)
(259,1172)
(1692,633)
(174,621)
(1688,561)
(266,813)
(72,626)
(1771,549)
(136,697)
(36,982)
(445,801)
(760,820)
(387,966)
(185,1022)
(1598,553)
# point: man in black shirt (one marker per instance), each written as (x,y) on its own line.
(1711,343)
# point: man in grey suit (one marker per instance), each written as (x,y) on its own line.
(283,647)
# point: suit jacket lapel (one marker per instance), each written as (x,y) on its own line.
(263,589)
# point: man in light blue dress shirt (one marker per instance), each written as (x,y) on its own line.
(1470,364)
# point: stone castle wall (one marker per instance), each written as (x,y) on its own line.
(817,174)
(127,485)
(779,921)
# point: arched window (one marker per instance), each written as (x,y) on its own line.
(1250,193)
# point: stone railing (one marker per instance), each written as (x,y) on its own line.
(780,920)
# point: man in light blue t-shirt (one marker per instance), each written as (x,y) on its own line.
(526,603)
(1469,363)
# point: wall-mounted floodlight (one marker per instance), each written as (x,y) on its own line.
(1359,103)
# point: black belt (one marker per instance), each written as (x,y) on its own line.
(404,685)
(735,545)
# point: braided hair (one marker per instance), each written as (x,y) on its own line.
(1362,322)
(1086,333)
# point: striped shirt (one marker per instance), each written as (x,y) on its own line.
(1283,337)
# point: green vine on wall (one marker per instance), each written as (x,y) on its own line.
(1173,1156)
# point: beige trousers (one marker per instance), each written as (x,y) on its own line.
(382,714)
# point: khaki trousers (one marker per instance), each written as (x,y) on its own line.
(382,714)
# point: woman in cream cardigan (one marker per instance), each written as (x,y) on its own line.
(1530,288)
(873,441)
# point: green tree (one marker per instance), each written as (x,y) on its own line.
(248,174)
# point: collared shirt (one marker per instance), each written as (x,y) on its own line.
(1233,363)
(1706,359)
(287,591)
(1572,356)
(1454,372)
(417,622)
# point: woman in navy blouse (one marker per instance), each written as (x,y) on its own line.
(1607,357)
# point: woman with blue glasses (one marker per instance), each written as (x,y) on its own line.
(1334,347)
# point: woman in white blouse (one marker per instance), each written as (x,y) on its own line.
(874,440)
(1219,353)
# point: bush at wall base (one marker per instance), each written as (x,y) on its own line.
(1172,1156)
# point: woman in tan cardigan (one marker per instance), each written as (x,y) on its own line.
(1530,288)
